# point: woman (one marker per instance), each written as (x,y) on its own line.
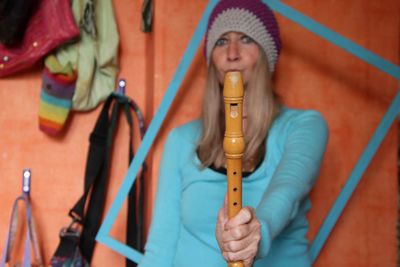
(284,149)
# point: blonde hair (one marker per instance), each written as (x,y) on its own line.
(261,105)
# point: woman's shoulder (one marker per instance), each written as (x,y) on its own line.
(289,116)
(290,119)
(189,131)
(293,113)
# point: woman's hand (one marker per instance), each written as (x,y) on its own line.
(239,236)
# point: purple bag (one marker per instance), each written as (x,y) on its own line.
(68,253)
(31,240)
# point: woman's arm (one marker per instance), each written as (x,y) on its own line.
(161,243)
(294,177)
(250,232)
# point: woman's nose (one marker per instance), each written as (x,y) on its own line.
(233,51)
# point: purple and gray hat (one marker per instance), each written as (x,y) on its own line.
(251,17)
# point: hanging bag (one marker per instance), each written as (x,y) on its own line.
(14,16)
(77,241)
(50,25)
(30,235)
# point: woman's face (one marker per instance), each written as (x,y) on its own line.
(235,51)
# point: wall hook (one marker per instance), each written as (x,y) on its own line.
(26,181)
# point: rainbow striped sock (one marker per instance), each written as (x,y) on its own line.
(55,101)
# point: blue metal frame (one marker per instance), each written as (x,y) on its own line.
(322,31)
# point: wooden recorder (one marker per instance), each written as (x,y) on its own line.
(234,143)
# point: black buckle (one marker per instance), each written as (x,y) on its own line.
(70,230)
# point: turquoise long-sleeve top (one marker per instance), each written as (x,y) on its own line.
(182,232)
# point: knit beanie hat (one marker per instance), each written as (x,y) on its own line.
(251,17)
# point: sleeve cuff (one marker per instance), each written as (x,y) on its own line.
(265,242)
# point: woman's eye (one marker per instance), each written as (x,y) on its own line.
(221,42)
(246,39)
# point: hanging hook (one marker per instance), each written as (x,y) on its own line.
(121,86)
(26,181)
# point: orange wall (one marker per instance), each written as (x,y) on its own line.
(312,73)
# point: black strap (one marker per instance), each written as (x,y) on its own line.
(96,174)
(95,208)
(147,15)
(135,218)
(95,160)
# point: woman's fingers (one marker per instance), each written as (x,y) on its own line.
(241,225)
(248,262)
(236,233)
(250,235)
(240,237)
(222,216)
(246,253)
(221,221)
(245,215)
